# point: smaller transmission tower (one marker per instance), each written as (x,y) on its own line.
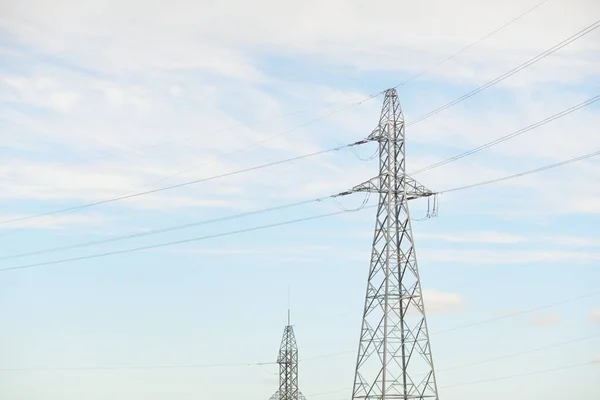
(288,366)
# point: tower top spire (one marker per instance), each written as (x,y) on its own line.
(289,311)
(288,366)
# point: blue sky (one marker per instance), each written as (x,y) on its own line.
(101,99)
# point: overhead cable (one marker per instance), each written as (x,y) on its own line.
(423,72)
(538,372)
(188,183)
(290,221)
(513,71)
(164,230)
(520,174)
(501,378)
(155,246)
(509,136)
(353,104)
(232,365)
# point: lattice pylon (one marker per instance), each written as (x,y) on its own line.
(288,367)
(394,357)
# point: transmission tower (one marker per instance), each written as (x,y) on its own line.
(288,366)
(394,355)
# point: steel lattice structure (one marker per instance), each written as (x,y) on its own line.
(288,366)
(394,357)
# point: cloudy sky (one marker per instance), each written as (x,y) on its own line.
(103,99)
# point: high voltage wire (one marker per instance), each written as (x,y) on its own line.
(162,230)
(135,194)
(512,315)
(501,378)
(520,353)
(470,94)
(564,343)
(285,132)
(539,372)
(139,367)
(471,45)
(503,271)
(441,62)
(356,103)
(475,150)
(129,196)
(270,225)
(305,202)
(556,116)
(254,364)
(195,239)
(510,136)
(513,71)
(532,171)
(528,311)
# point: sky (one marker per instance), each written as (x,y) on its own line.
(102,99)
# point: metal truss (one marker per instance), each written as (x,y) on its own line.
(288,367)
(394,357)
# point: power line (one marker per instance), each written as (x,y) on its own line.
(163,230)
(114,199)
(512,315)
(441,62)
(186,366)
(533,171)
(258,364)
(470,94)
(76,208)
(472,44)
(138,367)
(503,377)
(530,310)
(510,136)
(134,194)
(443,162)
(129,196)
(354,104)
(513,71)
(544,371)
(195,239)
(520,353)
(289,221)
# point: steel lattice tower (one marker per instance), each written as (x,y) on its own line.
(288,366)
(394,356)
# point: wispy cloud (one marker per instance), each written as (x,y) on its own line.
(546,319)
(439,302)
(101,99)
(494,256)
(595,315)
(57,222)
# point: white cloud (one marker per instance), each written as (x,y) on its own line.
(475,237)
(546,319)
(107,115)
(55,221)
(193,34)
(509,312)
(438,302)
(501,238)
(494,256)
(595,315)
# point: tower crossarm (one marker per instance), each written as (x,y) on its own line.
(409,187)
